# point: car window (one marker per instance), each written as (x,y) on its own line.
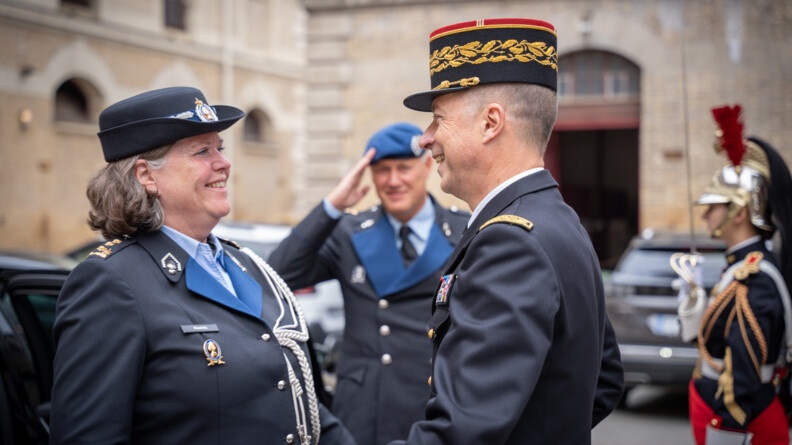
(656,262)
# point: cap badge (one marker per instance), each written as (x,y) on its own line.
(171,264)
(213,353)
(205,112)
(415,145)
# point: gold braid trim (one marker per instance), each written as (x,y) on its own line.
(513,220)
(494,51)
(726,389)
(745,313)
(712,314)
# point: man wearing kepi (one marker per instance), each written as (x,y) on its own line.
(523,350)
(388,261)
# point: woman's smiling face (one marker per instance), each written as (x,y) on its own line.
(191,184)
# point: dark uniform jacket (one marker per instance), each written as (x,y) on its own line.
(523,351)
(744,396)
(384,363)
(130,367)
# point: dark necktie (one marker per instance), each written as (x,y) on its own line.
(407,250)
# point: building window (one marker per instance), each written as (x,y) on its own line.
(175,11)
(75,101)
(597,74)
(83,3)
(257,127)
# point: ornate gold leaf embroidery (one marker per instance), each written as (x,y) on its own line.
(493,51)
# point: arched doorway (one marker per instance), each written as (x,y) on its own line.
(593,152)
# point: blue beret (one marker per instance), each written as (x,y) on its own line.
(396,141)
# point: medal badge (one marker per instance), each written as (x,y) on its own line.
(213,353)
(446,282)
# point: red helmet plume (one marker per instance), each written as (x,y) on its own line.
(729,120)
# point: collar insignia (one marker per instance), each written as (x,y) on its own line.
(171,264)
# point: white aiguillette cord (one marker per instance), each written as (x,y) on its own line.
(288,335)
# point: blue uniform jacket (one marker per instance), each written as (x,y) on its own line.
(131,333)
(384,363)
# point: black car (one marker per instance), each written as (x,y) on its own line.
(642,304)
(29,286)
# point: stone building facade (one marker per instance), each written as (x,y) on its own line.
(320,76)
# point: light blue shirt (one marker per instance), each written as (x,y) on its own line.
(420,224)
(202,254)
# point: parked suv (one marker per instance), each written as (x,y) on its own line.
(29,286)
(642,305)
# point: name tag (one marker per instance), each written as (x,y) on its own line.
(198,328)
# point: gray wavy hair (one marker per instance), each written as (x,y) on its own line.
(120,205)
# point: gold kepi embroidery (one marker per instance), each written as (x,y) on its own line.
(509,219)
(467,82)
(494,51)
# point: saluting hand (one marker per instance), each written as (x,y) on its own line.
(348,191)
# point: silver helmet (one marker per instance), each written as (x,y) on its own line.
(745,181)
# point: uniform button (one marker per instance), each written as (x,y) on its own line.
(265,337)
(384,330)
(281,385)
(290,438)
(431,334)
(429,381)
(387,359)
(383,304)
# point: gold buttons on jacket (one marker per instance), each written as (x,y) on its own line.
(387,359)
(431,334)
(429,381)
(385,330)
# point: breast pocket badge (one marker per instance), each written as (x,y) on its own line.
(213,353)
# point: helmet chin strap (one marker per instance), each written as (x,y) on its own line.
(732,212)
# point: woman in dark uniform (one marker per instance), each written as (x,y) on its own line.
(167,334)
(744,334)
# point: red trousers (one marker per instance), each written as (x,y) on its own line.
(769,428)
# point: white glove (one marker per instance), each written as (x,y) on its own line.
(692,298)
(723,437)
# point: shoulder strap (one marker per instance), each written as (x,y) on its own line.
(772,272)
(509,219)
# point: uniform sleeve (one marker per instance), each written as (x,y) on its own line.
(306,256)
(767,309)
(333,432)
(100,343)
(610,383)
(504,300)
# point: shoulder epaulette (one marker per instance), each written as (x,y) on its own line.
(106,249)
(750,266)
(513,220)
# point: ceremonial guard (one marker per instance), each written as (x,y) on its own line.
(744,335)
(388,261)
(166,334)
